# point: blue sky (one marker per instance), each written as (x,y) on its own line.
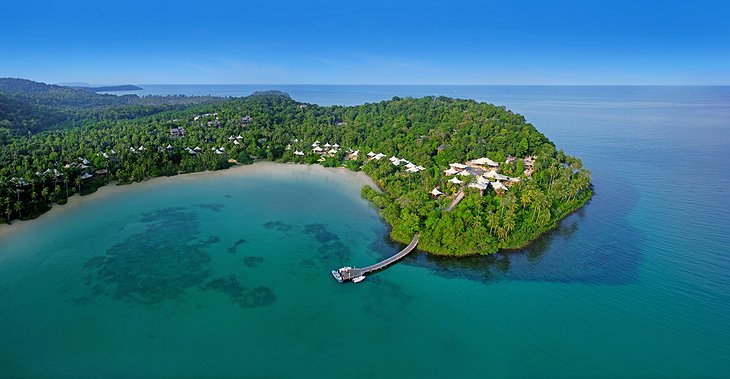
(367,42)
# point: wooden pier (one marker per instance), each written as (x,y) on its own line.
(349,273)
(456,200)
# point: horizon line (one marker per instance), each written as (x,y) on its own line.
(408,84)
(85,84)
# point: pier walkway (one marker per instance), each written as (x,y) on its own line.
(350,273)
(456,200)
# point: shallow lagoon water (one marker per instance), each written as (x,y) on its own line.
(227,274)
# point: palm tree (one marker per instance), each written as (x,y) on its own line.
(5,202)
(18,208)
(511,202)
(525,199)
(492,221)
(509,222)
(501,232)
(78,183)
(541,204)
(45,193)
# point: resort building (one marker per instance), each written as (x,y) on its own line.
(483,162)
(177,132)
(458,166)
(479,186)
(498,187)
(451,171)
(495,175)
(436,193)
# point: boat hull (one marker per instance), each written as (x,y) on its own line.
(337,275)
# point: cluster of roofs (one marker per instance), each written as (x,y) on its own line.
(176,132)
(81,164)
(395,161)
(199,116)
(332,149)
(214,121)
(323,150)
(20,182)
(486,173)
(236,140)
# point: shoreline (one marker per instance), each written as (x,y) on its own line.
(280,169)
(113,188)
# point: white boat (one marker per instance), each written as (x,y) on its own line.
(358,279)
(337,275)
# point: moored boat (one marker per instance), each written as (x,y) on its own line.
(358,279)
(337,275)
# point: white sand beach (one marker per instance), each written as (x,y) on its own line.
(272,169)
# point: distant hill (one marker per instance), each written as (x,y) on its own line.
(28,106)
(51,95)
(25,86)
(86,98)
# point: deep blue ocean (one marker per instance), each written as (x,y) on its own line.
(635,284)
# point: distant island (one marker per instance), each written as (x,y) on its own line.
(468,177)
(125,87)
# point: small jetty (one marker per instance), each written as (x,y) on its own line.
(352,273)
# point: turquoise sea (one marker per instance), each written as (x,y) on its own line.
(227,274)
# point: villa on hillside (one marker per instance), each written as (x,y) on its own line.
(436,193)
(486,174)
(529,164)
(177,132)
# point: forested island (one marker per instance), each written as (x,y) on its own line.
(470,177)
